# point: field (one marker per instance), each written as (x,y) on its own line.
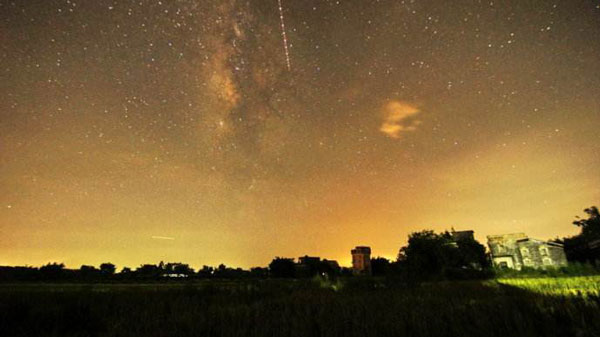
(584,286)
(352,307)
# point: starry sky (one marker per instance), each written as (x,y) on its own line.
(135,131)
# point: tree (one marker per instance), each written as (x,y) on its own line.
(429,255)
(52,271)
(585,247)
(259,272)
(380,266)
(471,254)
(426,255)
(107,269)
(282,267)
(88,271)
(206,272)
(590,227)
(178,268)
(148,271)
(182,268)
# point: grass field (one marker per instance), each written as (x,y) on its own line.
(507,307)
(584,286)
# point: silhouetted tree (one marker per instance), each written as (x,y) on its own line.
(11,274)
(585,247)
(471,254)
(426,254)
(380,266)
(590,227)
(307,267)
(282,267)
(52,271)
(434,256)
(224,272)
(148,271)
(107,269)
(221,271)
(88,272)
(259,272)
(182,268)
(329,268)
(346,271)
(206,272)
(178,268)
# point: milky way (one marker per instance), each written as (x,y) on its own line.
(123,122)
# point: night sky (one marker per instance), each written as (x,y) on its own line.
(146,130)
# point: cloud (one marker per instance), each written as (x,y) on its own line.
(398,118)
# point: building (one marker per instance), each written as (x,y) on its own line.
(332,264)
(517,250)
(469,246)
(309,266)
(308,260)
(462,235)
(361,260)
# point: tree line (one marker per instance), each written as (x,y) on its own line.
(427,256)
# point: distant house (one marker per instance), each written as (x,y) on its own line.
(174,275)
(462,235)
(307,260)
(517,250)
(361,260)
(465,236)
(309,266)
(332,264)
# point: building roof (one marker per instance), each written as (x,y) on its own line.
(503,237)
(361,249)
(519,238)
(462,235)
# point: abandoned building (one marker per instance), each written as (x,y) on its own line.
(307,260)
(361,260)
(517,250)
(308,266)
(462,235)
(333,264)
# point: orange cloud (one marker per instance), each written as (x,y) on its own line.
(398,118)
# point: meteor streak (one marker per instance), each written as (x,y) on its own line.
(162,237)
(284,36)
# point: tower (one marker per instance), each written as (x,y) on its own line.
(361,260)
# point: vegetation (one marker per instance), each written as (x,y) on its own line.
(442,284)
(571,270)
(353,307)
(282,267)
(585,286)
(585,247)
(432,256)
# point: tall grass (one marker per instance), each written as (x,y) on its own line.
(296,308)
(580,285)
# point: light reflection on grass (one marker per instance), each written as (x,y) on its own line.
(575,286)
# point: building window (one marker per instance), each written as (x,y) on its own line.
(544,251)
(547,261)
(527,262)
(524,252)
